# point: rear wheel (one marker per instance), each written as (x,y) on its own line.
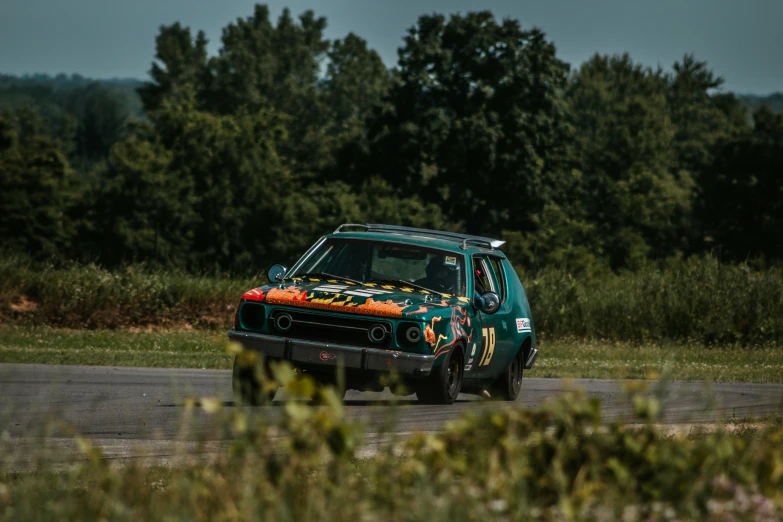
(509,383)
(246,384)
(445,383)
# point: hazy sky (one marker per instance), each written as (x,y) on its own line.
(741,40)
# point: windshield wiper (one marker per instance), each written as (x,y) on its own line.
(404,283)
(324,275)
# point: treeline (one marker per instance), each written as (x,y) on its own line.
(246,156)
(87,117)
(773,101)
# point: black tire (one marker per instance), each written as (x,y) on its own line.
(445,383)
(327,382)
(317,399)
(509,383)
(246,384)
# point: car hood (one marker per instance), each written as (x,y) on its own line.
(367,299)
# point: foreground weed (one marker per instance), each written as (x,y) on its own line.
(555,463)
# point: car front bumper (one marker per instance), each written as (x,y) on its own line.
(330,354)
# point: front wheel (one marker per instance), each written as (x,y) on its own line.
(246,383)
(322,382)
(509,383)
(445,383)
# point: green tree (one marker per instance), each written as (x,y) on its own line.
(741,193)
(102,116)
(633,189)
(701,118)
(196,189)
(262,66)
(37,189)
(275,66)
(237,176)
(86,116)
(475,122)
(145,211)
(354,86)
(563,238)
(181,60)
(321,207)
(355,81)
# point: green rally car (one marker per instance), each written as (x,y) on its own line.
(444,311)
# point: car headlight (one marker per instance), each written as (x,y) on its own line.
(408,334)
(377,333)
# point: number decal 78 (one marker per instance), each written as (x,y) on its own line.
(487,345)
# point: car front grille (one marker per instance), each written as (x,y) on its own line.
(326,328)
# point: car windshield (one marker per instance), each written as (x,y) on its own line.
(385,262)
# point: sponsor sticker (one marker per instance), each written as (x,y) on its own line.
(470,360)
(361,292)
(523,324)
(326,356)
(331,288)
(366,292)
(468,367)
(473,351)
(450,261)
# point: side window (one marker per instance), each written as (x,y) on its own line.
(500,277)
(483,280)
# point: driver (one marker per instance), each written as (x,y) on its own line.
(440,277)
(478,281)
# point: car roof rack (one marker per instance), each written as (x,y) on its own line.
(344,226)
(463,239)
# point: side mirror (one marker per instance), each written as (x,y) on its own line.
(489,303)
(276,272)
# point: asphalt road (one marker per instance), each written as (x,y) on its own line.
(143,403)
(137,414)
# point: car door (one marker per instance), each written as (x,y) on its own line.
(494,343)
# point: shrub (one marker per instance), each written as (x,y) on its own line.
(693,300)
(557,463)
(88,296)
(697,299)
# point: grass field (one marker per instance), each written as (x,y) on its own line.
(206,349)
(163,349)
(613,360)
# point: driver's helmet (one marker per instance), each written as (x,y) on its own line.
(438,270)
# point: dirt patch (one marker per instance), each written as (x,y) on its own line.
(168,327)
(22,305)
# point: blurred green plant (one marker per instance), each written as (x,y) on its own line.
(559,462)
